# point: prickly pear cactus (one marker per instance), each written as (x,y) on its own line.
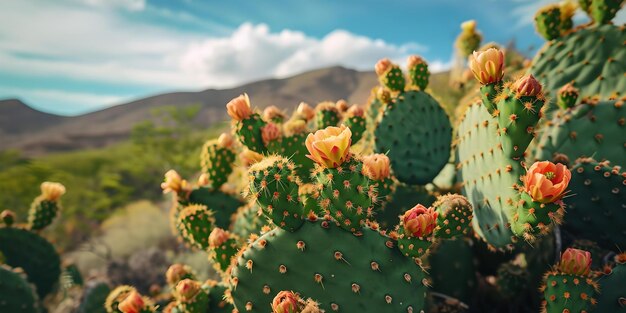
(596,209)
(414,132)
(343,271)
(247,221)
(16,294)
(35,255)
(94,297)
(217,160)
(452,269)
(612,297)
(592,58)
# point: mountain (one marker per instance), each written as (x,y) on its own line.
(36,133)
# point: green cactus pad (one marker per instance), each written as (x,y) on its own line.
(596,208)
(591,58)
(548,22)
(384,193)
(612,297)
(488,176)
(94,297)
(293,147)
(274,185)
(532,218)
(217,303)
(217,163)
(452,269)
(415,133)
(249,133)
(195,224)
(346,193)
(517,118)
(222,204)
(603,11)
(16,294)
(222,255)
(512,280)
(342,271)
(357,125)
(247,221)
(327,117)
(590,129)
(454,216)
(309,195)
(35,255)
(419,75)
(564,292)
(41,214)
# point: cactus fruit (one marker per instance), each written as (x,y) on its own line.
(569,287)
(590,129)
(35,255)
(45,208)
(567,96)
(16,294)
(548,22)
(454,216)
(326,114)
(331,265)
(414,132)
(596,211)
(195,223)
(217,160)
(274,185)
(591,58)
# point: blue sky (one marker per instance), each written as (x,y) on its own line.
(75,56)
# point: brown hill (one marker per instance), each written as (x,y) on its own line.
(37,133)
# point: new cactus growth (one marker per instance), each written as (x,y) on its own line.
(569,287)
(355,120)
(217,160)
(45,208)
(454,216)
(414,130)
(326,114)
(567,96)
(195,223)
(248,124)
(222,247)
(469,39)
(548,22)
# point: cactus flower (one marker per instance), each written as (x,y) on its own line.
(175,272)
(173,182)
(272,112)
(133,303)
(187,289)
(286,302)
(330,146)
(382,66)
(218,237)
(356,110)
(342,105)
(469,26)
(414,60)
(52,191)
(249,157)
(376,166)
(487,66)
(239,108)
(575,262)
(203,180)
(419,221)
(225,140)
(546,182)
(270,132)
(527,86)
(305,111)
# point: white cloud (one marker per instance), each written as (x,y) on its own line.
(253,52)
(132,5)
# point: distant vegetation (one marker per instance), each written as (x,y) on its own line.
(100,180)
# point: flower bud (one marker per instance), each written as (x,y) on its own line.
(305,111)
(133,303)
(376,166)
(419,221)
(218,237)
(173,182)
(187,289)
(270,132)
(414,60)
(273,112)
(342,105)
(225,140)
(382,66)
(8,217)
(176,272)
(527,86)
(286,302)
(356,110)
(575,262)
